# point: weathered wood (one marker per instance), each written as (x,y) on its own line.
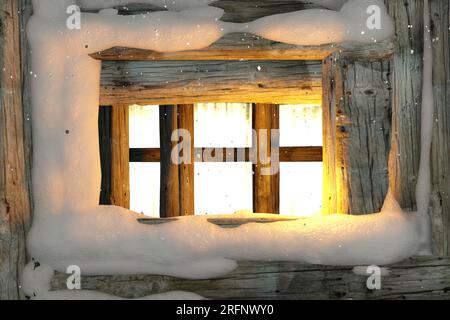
(15,208)
(186,168)
(266,186)
(170,192)
(239,46)
(407,98)
(440,154)
(104,133)
(287,154)
(416,278)
(177,178)
(166,82)
(332,94)
(25,11)
(120,162)
(357,120)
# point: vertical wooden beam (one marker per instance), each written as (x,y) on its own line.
(266,188)
(186,170)
(104,130)
(440,154)
(169,194)
(332,94)
(120,157)
(357,127)
(407,99)
(177,180)
(15,208)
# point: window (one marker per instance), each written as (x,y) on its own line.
(225,179)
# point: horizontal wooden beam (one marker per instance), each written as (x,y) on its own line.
(187,82)
(415,278)
(287,154)
(243,46)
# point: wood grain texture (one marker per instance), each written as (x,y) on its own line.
(287,154)
(105,142)
(15,207)
(186,168)
(407,99)
(440,154)
(120,161)
(166,82)
(170,191)
(266,174)
(357,127)
(416,278)
(241,46)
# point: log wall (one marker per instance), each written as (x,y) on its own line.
(15,135)
(416,278)
(15,204)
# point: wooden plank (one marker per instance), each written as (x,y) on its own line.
(105,141)
(166,82)
(266,181)
(15,207)
(357,120)
(415,278)
(287,154)
(242,46)
(407,99)
(186,168)
(177,179)
(440,13)
(170,192)
(332,94)
(120,162)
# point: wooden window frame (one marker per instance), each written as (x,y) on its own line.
(180,200)
(128,77)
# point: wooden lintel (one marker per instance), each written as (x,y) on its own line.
(239,46)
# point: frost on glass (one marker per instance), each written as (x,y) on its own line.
(300,125)
(223,188)
(144,126)
(144,177)
(223,125)
(144,188)
(300,188)
(301,183)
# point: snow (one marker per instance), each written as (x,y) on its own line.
(316,26)
(178,5)
(69,226)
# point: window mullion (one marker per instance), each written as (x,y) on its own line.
(266,187)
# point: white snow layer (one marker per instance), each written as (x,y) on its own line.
(180,4)
(69,226)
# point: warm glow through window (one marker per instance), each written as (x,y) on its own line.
(144,177)
(300,182)
(223,188)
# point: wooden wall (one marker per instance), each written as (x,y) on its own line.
(15,112)
(15,204)
(407,94)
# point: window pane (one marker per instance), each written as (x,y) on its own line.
(144,126)
(300,125)
(223,188)
(300,188)
(144,188)
(222,125)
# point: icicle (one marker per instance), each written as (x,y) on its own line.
(423,188)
